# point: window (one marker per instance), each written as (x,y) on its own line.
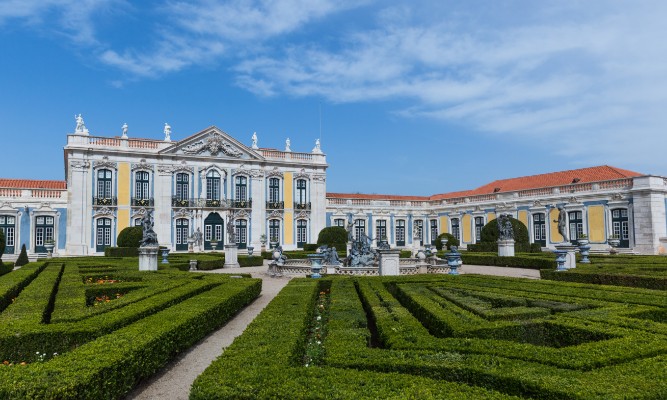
(241,188)
(301,191)
(539,229)
(103,234)
(274,231)
(576,225)
(456,230)
(620,226)
(213,185)
(141,191)
(419,227)
(241,233)
(400,232)
(479,224)
(434,231)
(104,184)
(182,232)
(301,233)
(359,228)
(274,190)
(183,186)
(8,227)
(380,230)
(339,222)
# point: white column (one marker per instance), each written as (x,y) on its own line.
(79,209)
(258,221)
(162,210)
(318,204)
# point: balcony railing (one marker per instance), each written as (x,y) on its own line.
(215,203)
(176,202)
(275,205)
(302,206)
(104,201)
(142,202)
(242,203)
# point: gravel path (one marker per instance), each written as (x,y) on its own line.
(175,379)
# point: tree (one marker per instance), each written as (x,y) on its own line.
(333,236)
(490,232)
(23,257)
(130,237)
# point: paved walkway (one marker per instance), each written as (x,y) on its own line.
(175,379)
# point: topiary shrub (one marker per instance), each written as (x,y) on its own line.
(130,237)
(333,236)
(451,241)
(490,232)
(2,244)
(23,257)
(310,247)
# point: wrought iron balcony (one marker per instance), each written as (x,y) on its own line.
(142,202)
(176,202)
(275,205)
(104,201)
(215,203)
(242,203)
(302,206)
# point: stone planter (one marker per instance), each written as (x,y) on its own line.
(49,249)
(315,264)
(613,242)
(214,244)
(251,250)
(165,254)
(454,261)
(583,242)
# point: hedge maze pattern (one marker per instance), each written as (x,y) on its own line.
(451,337)
(92,328)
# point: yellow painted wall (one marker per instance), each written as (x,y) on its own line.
(553,216)
(288,194)
(123,184)
(490,217)
(596,224)
(289,227)
(467,228)
(523,217)
(444,222)
(123,219)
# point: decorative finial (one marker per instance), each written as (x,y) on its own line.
(254,141)
(287,144)
(124,127)
(167,132)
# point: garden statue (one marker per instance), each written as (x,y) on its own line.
(505,230)
(198,237)
(350,225)
(167,132)
(231,236)
(330,255)
(124,128)
(562,223)
(361,253)
(149,238)
(254,140)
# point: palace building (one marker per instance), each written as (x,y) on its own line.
(200,183)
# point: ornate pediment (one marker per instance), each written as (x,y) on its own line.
(212,142)
(302,174)
(142,165)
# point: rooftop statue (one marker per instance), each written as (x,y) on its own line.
(167,132)
(287,145)
(124,127)
(80,125)
(254,140)
(317,149)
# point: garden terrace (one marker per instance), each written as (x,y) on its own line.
(94,327)
(448,337)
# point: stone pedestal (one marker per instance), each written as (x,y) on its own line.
(148,258)
(231,256)
(389,264)
(506,248)
(570,257)
(193,265)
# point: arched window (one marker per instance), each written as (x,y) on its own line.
(8,227)
(301,233)
(274,231)
(241,233)
(539,229)
(103,234)
(400,232)
(212,187)
(104,188)
(182,233)
(456,229)
(241,189)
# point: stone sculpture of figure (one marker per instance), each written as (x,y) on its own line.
(254,140)
(198,237)
(231,236)
(124,130)
(505,230)
(167,132)
(562,223)
(149,236)
(80,125)
(287,145)
(350,235)
(317,149)
(416,232)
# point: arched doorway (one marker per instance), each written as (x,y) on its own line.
(214,227)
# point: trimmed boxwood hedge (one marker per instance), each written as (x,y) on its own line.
(121,251)
(516,261)
(5,268)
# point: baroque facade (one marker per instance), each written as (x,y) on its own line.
(202,183)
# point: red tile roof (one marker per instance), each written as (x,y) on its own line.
(562,178)
(32,184)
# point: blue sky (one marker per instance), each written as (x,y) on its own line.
(416,97)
